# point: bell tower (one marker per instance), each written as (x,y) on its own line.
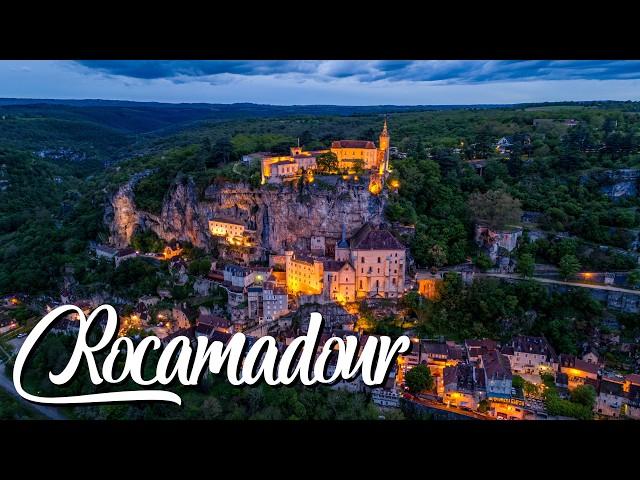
(383,147)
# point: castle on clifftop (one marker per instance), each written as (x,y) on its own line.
(349,153)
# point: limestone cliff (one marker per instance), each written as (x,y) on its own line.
(281,215)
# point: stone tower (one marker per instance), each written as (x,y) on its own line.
(383,146)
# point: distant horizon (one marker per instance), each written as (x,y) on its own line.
(324,82)
(6,101)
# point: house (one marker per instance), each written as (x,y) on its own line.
(463,385)
(504,144)
(531,355)
(578,371)
(105,251)
(124,254)
(275,302)
(178,268)
(387,396)
(612,398)
(474,348)
(220,324)
(591,357)
(339,281)
(505,401)
(318,245)
(238,276)
(498,376)
(492,240)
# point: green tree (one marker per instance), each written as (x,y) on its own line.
(584,395)
(569,266)
(483,262)
(517,381)
(437,255)
(327,163)
(496,208)
(526,265)
(634,278)
(418,379)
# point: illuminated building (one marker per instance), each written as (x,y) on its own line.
(234,233)
(531,355)
(267,302)
(370,264)
(504,400)
(339,281)
(304,274)
(463,386)
(349,153)
(428,284)
(172,250)
(578,371)
(498,376)
(378,259)
(222,227)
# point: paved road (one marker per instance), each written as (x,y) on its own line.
(560,282)
(51,413)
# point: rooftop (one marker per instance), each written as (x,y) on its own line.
(353,144)
(569,361)
(368,238)
(227,220)
(496,365)
(536,345)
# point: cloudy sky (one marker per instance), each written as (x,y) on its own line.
(339,82)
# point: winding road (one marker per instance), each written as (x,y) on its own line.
(6,383)
(594,286)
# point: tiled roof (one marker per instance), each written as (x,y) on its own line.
(569,361)
(537,345)
(496,365)
(214,321)
(353,144)
(227,220)
(333,265)
(369,238)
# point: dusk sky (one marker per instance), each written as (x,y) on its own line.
(339,82)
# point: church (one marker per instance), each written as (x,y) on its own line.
(281,168)
(371,264)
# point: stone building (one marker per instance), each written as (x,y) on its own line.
(278,168)
(369,265)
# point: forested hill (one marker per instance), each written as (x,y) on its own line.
(53,181)
(106,131)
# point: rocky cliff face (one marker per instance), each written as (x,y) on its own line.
(282,216)
(616,183)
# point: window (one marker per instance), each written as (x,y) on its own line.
(362,260)
(378,259)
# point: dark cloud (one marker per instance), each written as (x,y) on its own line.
(445,71)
